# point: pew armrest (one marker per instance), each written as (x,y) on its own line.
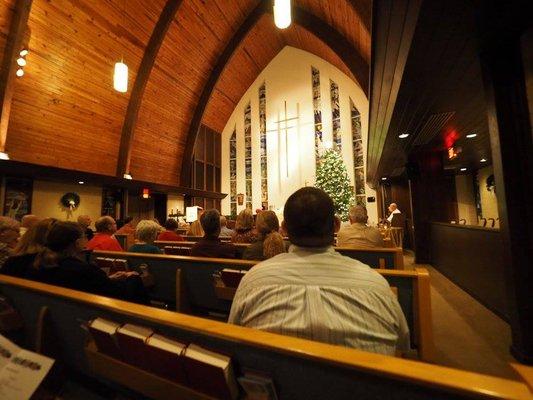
(423,316)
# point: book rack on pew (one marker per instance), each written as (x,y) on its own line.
(299,368)
(138,379)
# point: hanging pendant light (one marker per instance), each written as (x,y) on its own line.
(282,13)
(120,77)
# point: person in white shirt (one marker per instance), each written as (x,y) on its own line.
(393,209)
(315,293)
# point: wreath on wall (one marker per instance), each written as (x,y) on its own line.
(70,200)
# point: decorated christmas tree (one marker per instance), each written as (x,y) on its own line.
(332,177)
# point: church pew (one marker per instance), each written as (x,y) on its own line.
(197,287)
(379,257)
(300,369)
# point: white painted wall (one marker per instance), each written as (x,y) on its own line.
(288,78)
(46,200)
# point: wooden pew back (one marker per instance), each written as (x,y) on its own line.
(379,257)
(300,369)
(198,288)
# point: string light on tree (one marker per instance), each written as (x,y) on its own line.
(332,177)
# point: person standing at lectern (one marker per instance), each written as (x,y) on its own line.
(393,209)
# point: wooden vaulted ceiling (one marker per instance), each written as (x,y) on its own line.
(65,113)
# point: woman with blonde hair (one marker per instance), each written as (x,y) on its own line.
(20,264)
(267,226)
(244,228)
(146,233)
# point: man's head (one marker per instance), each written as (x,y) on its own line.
(171,224)
(84,221)
(309,218)
(9,231)
(105,224)
(29,220)
(210,221)
(358,215)
(393,207)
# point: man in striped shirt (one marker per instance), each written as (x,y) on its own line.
(315,293)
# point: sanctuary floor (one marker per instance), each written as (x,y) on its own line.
(467,335)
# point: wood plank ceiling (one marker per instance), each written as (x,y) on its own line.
(441,93)
(65,112)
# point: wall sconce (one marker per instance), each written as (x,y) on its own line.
(146,193)
(240,199)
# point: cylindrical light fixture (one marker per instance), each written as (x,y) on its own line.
(24,52)
(21,61)
(282,13)
(20,72)
(120,77)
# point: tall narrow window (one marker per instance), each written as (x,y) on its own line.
(358,157)
(335,114)
(248,154)
(317,109)
(233,172)
(263,145)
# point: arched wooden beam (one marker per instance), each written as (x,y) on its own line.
(17,30)
(249,23)
(338,43)
(147,62)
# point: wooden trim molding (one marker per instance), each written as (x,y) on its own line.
(423,293)
(17,30)
(134,104)
(412,372)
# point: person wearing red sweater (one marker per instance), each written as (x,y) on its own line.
(103,239)
(170,232)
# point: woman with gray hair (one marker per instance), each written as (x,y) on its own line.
(9,236)
(146,233)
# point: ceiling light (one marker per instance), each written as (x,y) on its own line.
(483,160)
(24,52)
(384,178)
(463,169)
(120,77)
(403,135)
(471,135)
(20,72)
(3,156)
(81,182)
(282,13)
(21,61)
(128,176)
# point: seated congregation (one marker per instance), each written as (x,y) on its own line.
(302,282)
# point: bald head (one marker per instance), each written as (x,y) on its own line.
(84,220)
(105,224)
(393,207)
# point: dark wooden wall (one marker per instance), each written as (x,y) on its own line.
(206,173)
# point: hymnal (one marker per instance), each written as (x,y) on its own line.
(131,341)
(210,372)
(103,333)
(21,371)
(232,277)
(165,359)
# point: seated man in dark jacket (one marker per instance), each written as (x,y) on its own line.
(210,245)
